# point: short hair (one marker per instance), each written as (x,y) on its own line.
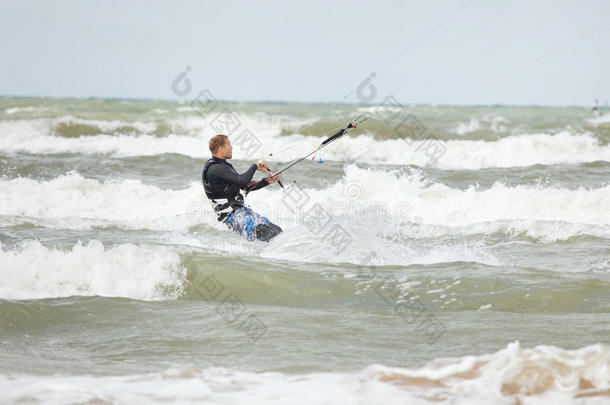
(216,142)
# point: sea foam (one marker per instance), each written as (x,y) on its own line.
(126,270)
(189,136)
(539,375)
(385,201)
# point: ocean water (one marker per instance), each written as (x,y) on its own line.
(437,254)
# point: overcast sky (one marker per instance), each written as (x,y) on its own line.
(489,51)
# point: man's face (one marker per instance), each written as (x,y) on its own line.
(227,150)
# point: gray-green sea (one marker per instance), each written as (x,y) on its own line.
(435,254)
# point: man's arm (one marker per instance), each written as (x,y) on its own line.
(225,173)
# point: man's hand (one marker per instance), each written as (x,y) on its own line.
(273,178)
(262,166)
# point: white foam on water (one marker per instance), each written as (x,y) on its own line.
(601,120)
(75,202)
(233,124)
(472,126)
(383,199)
(14,110)
(380,109)
(392,204)
(190,136)
(107,126)
(341,242)
(540,375)
(489,122)
(131,271)
(512,151)
(36,136)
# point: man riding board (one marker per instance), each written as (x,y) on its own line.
(223,185)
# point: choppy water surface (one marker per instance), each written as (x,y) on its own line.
(439,254)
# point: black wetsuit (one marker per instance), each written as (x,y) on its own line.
(222,186)
(226,173)
(222,183)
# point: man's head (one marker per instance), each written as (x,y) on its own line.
(221,147)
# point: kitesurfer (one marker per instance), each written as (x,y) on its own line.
(223,185)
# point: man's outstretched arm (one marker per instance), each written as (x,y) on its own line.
(225,173)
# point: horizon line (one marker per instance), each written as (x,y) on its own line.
(227,101)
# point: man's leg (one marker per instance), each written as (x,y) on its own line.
(251,225)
